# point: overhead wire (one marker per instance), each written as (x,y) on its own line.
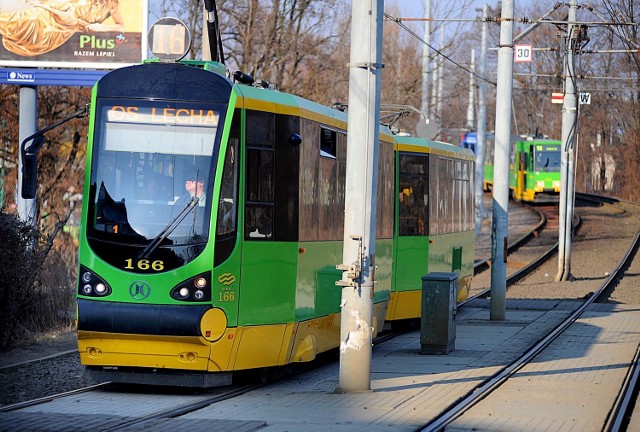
(437,51)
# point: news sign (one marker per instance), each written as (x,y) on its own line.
(101,34)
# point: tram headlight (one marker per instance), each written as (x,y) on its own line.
(90,284)
(540,185)
(194,289)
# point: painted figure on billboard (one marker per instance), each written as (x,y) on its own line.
(42,26)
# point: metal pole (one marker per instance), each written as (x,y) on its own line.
(206,48)
(482,124)
(569,123)
(426,64)
(440,77)
(358,278)
(434,88)
(27,127)
(471,120)
(500,220)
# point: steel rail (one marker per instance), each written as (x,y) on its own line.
(185,408)
(618,416)
(482,265)
(480,392)
(47,399)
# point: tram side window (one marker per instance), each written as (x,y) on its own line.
(413,196)
(227,214)
(328,206)
(260,175)
(226,226)
(328,143)
(452,201)
(386,202)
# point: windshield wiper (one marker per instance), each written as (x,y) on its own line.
(171,226)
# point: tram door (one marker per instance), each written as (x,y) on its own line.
(521,173)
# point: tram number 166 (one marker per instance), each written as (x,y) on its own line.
(144,264)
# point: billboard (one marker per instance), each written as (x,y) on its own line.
(101,34)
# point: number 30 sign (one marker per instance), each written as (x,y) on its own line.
(522,53)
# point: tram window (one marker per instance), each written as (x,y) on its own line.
(260,196)
(385,204)
(328,146)
(452,200)
(260,175)
(260,129)
(228,192)
(259,222)
(413,197)
(226,226)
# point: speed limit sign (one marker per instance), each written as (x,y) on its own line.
(522,53)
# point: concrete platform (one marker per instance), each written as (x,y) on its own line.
(571,386)
(407,389)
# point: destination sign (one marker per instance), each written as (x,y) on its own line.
(163,115)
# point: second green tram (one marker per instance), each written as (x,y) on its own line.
(534,169)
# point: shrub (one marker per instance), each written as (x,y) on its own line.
(36,285)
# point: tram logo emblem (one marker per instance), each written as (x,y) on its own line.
(226,279)
(139,290)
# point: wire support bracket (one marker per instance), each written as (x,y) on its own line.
(366,65)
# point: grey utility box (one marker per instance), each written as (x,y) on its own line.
(438,319)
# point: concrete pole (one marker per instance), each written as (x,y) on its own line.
(434,88)
(482,124)
(27,127)
(440,77)
(358,278)
(471,105)
(500,222)
(569,123)
(426,64)
(206,48)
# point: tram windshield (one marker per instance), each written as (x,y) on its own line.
(547,159)
(152,171)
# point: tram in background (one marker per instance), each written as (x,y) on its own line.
(213,220)
(534,166)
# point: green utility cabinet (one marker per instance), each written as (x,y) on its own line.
(438,318)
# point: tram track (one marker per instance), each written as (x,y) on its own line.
(622,406)
(532,233)
(533,247)
(181,407)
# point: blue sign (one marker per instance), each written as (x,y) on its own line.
(21,77)
(61,77)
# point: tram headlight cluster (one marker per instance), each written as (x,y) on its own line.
(92,285)
(196,289)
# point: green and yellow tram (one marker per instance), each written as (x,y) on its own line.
(534,169)
(213,224)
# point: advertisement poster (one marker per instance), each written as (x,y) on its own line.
(72,33)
